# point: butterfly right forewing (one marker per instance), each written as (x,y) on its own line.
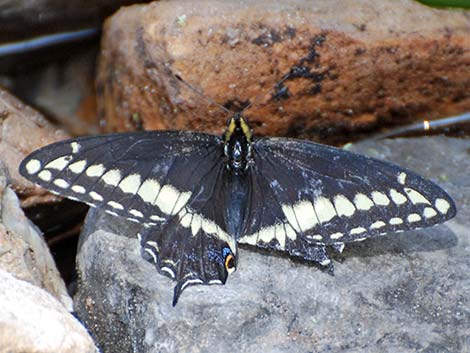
(320,195)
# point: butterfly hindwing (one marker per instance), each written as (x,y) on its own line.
(194,247)
(322,195)
(267,226)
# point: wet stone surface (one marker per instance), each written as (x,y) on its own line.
(402,292)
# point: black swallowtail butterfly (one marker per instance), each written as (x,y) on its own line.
(198,195)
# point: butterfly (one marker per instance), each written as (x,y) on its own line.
(198,195)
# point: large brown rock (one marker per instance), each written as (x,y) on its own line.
(357,65)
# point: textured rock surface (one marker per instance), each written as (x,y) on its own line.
(31,320)
(22,130)
(23,251)
(399,293)
(369,64)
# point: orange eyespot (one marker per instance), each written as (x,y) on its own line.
(230,263)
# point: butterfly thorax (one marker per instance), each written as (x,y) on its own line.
(237,145)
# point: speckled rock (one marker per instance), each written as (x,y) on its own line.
(354,69)
(399,293)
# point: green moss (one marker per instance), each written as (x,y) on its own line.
(447,3)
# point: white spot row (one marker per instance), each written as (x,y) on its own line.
(75,147)
(401,178)
(33,166)
(59,163)
(167,198)
(303,216)
(279,232)
(196,222)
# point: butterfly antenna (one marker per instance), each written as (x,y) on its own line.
(201,94)
(291,74)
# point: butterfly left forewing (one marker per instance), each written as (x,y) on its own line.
(323,195)
(143,176)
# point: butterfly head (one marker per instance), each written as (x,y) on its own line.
(237,144)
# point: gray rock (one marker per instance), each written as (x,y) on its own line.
(402,293)
(23,251)
(32,320)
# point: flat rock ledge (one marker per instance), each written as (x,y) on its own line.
(401,293)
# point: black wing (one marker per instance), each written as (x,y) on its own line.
(194,247)
(144,176)
(306,196)
(168,181)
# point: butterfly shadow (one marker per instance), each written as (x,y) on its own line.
(417,241)
(284,255)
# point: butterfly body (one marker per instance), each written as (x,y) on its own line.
(198,195)
(237,145)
